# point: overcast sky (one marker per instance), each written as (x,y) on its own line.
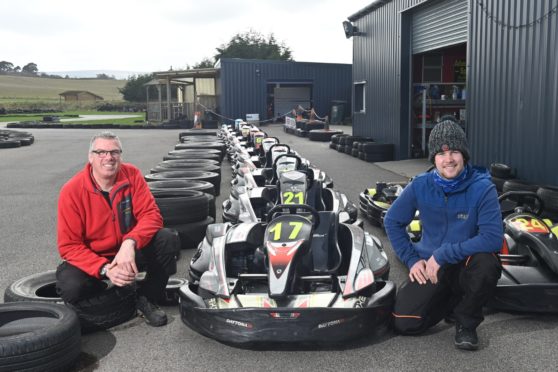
(149,35)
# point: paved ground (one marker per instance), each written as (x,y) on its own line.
(30,178)
(89,117)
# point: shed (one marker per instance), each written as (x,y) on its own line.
(491,64)
(79,96)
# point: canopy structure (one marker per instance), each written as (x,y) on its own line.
(181,93)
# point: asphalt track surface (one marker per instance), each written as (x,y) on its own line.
(31,177)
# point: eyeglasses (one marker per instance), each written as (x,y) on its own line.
(104,153)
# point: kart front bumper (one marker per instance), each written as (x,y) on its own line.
(286,324)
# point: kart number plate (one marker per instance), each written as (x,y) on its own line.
(531,225)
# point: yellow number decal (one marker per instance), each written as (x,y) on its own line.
(276,230)
(537,225)
(296,229)
(259,140)
(289,196)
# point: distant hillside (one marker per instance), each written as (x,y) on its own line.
(18,88)
(93,73)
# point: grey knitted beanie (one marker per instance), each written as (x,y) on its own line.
(447,135)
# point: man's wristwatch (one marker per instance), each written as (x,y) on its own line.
(104,270)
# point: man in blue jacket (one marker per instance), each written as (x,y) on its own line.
(454,268)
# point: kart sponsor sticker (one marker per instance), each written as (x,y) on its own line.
(239,323)
(529,224)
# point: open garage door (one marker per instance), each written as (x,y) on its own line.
(287,98)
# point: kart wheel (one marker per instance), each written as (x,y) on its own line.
(170,297)
(181,207)
(518,185)
(500,170)
(212,177)
(549,195)
(38,337)
(203,186)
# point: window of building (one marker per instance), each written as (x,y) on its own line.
(432,68)
(360,95)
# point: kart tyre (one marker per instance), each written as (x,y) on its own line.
(212,177)
(175,167)
(193,233)
(377,157)
(340,148)
(197,162)
(38,337)
(549,196)
(354,152)
(333,145)
(378,148)
(181,207)
(193,155)
(113,306)
(9,143)
(515,184)
(348,149)
(322,135)
(336,137)
(169,184)
(500,170)
(197,132)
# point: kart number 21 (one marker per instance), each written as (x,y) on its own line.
(289,196)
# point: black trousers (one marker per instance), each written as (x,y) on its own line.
(462,288)
(158,259)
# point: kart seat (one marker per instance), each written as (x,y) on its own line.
(324,256)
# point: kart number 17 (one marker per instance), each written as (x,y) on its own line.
(277,229)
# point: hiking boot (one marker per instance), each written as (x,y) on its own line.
(152,314)
(465,338)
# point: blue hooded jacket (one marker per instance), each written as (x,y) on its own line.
(456,225)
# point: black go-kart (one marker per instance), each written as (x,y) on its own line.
(299,276)
(529,255)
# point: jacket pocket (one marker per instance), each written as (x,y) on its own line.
(125,214)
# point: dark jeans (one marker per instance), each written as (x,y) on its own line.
(462,288)
(158,259)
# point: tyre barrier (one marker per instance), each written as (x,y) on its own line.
(14,139)
(178,167)
(322,135)
(110,307)
(38,336)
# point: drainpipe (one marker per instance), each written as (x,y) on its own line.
(169,99)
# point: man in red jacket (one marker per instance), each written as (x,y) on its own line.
(108,225)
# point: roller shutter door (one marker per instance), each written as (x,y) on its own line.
(287,98)
(439,25)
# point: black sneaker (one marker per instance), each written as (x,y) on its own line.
(465,338)
(152,314)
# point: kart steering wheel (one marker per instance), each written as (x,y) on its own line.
(526,201)
(294,209)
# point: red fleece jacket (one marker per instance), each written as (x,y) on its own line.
(90,231)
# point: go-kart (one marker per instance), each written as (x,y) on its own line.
(374,202)
(529,255)
(298,276)
(289,180)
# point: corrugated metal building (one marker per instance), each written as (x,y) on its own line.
(237,87)
(272,88)
(491,63)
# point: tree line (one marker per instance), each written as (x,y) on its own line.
(247,45)
(31,69)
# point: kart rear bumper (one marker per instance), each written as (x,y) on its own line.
(287,325)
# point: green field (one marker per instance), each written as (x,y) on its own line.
(21,89)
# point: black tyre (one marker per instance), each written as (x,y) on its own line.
(333,145)
(9,143)
(499,182)
(38,337)
(377,148)
(193,233)
(322,135)
(376,157)
(500,170)
(181,206)
(340,148)
(170,163)
(189,166)
(354,152)
(549,196)
(198,132)
(335,138)
(112,306)
(518,185)
(214,178)
(170,184)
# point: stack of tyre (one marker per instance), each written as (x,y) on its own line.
(186,182)
(13,138)
(503,177)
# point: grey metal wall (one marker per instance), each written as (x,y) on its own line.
(513,86)
(381,57)
(243,84)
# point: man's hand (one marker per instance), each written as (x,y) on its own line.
(122,270)
(432,268)
(418,272)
